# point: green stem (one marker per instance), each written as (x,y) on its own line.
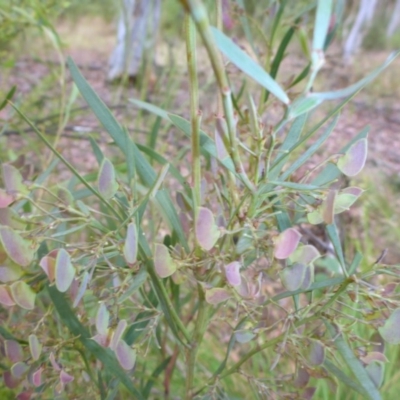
(199,15)
(197,337)
(191,54)
(66,163)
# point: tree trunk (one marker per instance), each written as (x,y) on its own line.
(394,21)
(137,27)
(363,20)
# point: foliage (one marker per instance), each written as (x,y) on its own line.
(115,282)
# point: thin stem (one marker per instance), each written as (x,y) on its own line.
(199,15)
(66,163)
(197,337)
(191,54)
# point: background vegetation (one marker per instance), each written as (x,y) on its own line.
(54,208)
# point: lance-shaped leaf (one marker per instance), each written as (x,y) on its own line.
(215,296)
(65,271)
(232,273)
(10,273)
(390,332)
(238,57)
(353,161)
(13,351)
(107,183)
(207,232)
(131,244)
(102,319)
(34,346)
(13,180)
(23,295)
(18,249)
(126,356)
(5,296)
(5,199)
(293,277)
(163,262)
(286,243)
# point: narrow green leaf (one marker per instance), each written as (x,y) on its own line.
(129,149)
(354,364)
(155,374)
(350,90)
(321,26)
(310,151)
(248,65)
(8,97)
(337,245)
(333,369)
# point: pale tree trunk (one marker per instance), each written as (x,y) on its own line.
(361,24)
(395,20)
(137,27)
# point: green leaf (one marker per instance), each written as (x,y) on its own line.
(321,26)
(390,332)
(64,271)
(310,151)
(107,182)
(215,296)
(23,295)
(106,356)
(354,364)
(349,91)
(353,161)
(17,248)
(163,262)
(137,281)
(333,369)
(129,149)
(8,97)
(207,232)
(248,65)
(153,377)
(131,244)
(293,277)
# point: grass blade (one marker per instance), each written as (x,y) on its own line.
(361,375)
(129,149)
(248,65)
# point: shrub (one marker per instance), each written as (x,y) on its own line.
(110,281)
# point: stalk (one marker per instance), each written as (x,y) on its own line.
(199,15)
(197,337)
(191,54)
